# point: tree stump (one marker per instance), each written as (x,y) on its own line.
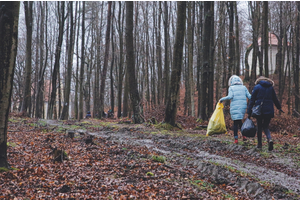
(71,134)
(59,155)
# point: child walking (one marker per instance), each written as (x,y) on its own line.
(238,95)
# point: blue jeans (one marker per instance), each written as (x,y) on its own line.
(263,124)
(236,125)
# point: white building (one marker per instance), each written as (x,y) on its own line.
(273,43)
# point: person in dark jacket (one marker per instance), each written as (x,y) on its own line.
(88,115)
(264,91)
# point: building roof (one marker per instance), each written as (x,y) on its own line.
(272,40)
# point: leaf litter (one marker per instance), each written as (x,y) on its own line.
(119,164)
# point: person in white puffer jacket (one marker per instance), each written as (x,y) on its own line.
(238,94)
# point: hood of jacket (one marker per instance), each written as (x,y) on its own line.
(235,80)
(264,81)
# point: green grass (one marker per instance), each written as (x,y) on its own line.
(61,130)
(11,144)
(149,174)
(203,185)
(265,154)
(76,127)
(168,127)
(160,159)
(13,120)
(4,169)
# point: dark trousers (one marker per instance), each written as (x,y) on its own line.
(263,124)
(236,125)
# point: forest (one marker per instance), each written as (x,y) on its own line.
(146,63)
(72,56)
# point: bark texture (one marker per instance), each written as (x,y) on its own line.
(9,17)
(171,109)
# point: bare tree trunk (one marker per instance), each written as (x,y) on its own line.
(65,111)
(61,18)
(159,57)
(166,79)
(247,68)
(104,70)
(28,64)
(220,60)
(296,72)
(266,37)
(134,94)
(231,64)
(81,79)
(98,66)
(76,109)
(9,16)
(112,95)
(121,71)
(171,109)
(126,94)
(211,62)
(254,10)
(208,15)
(190,39)
(42,68)
(237,41)
(199,58)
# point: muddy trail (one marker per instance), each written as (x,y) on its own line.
(208,163)
(109,159)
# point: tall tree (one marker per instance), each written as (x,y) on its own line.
(134,94)
(98,61)
(28,66)
(220,44)
(42,65)
(207,48)
(190,74)
(112,93)
(231,58)
(121,71)
(237,40)
(296,68)
(211,61)
(254,8)
(9,17)
(65,111)
(166,79)
(199,56)
(77,83)
(159,56)
(81,78)
(61,22)
(266,36)
(104,70)
(171,108)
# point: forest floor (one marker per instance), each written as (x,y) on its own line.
(110,159)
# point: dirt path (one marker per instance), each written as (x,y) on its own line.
(241,169)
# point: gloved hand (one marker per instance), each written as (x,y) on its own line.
(220,101)
(249,116)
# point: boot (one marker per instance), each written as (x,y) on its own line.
(259,146)
(259,140)
(270,145)
(244,138)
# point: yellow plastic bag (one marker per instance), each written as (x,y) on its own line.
(216,124)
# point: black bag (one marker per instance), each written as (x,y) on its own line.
(248,129)
(256,110)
